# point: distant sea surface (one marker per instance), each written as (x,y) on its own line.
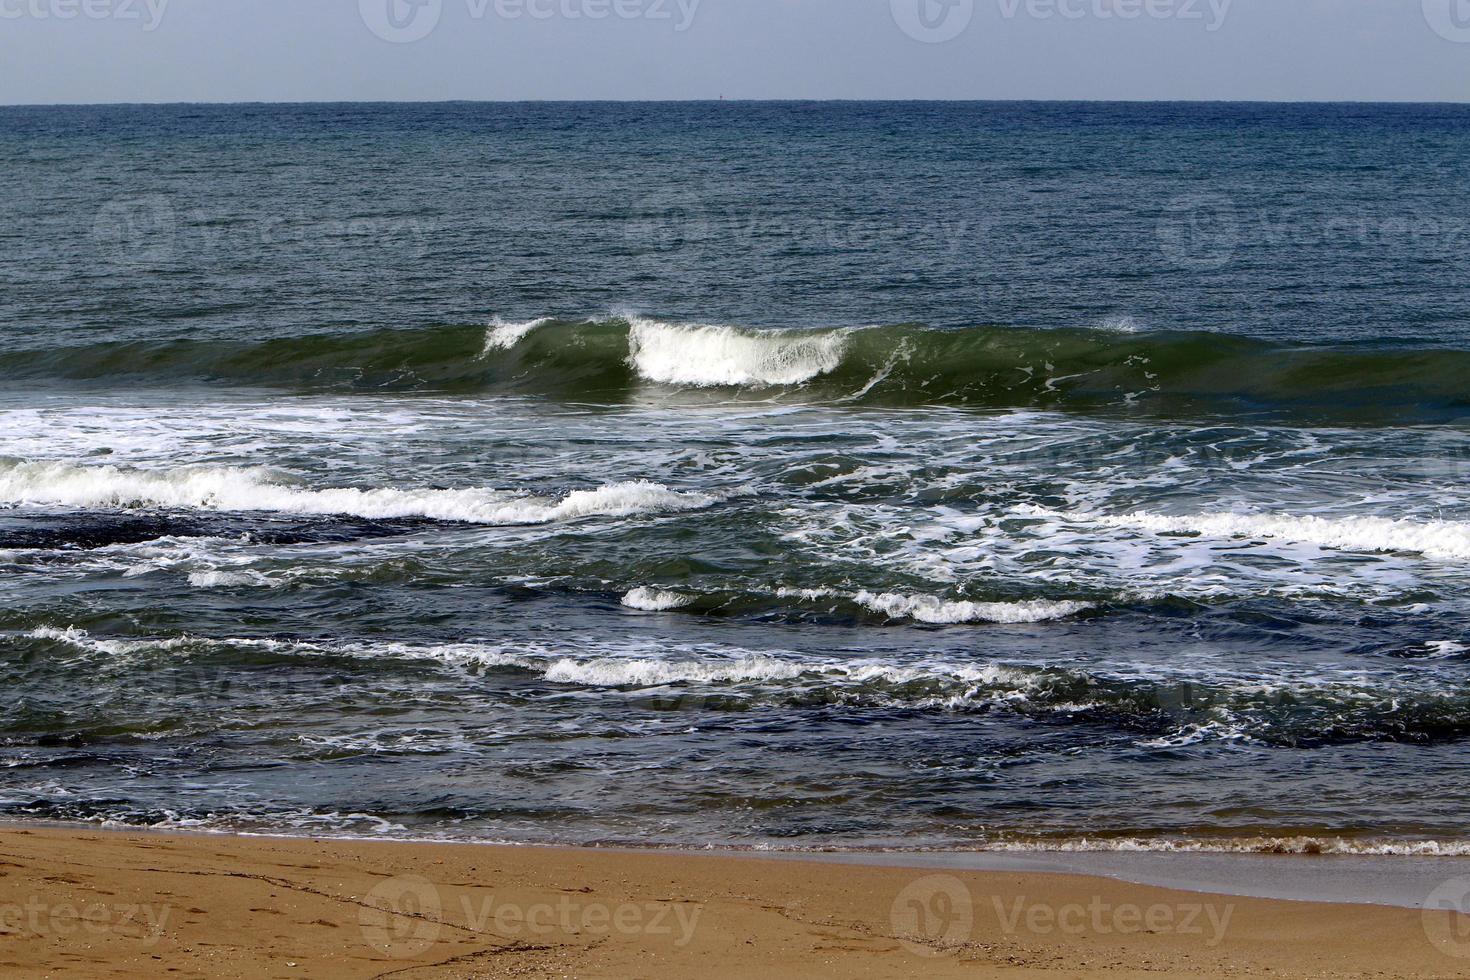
(794,475)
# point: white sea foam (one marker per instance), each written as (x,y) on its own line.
(617,672)
(505,334)
(223,580)
(700,665)
(85,641)
(1244,845)
(931,609)
(1433,539)
(714,356)
(632,664)
(1120,324)
(654,600)
(255,489)
(68,635)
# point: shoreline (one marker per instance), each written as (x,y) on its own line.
(1399,880)
(92,902)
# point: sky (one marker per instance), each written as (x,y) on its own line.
(89,51)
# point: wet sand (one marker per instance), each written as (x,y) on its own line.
(101,904)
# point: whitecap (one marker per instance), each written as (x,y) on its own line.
(257,489)
(505,334)
(654,600)
(1433,539)
(715,356)
(931,609)
(216,579)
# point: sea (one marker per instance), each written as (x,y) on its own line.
(789,476)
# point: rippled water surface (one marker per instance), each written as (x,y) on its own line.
(808,476)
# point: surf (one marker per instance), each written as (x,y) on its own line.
(614,359)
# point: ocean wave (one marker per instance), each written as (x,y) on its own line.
(628,665)
(655,600)
(1112,368)
(930,609)
(1163,713)
(1448,540)
(505,334)
(1286,845)
(223,580)
(714,356)
(256,489)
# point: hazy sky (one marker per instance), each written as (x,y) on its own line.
(307,50)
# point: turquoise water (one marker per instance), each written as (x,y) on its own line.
(780,475)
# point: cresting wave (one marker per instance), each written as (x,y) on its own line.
(608,360)
(218,488)
(1445,540)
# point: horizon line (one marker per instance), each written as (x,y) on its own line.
(721,99)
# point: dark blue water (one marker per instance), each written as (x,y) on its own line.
(777,474)
(1302,223)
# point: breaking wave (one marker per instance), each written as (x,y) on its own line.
(1448,540)
(218,488)
(655,600)
(930,609)
(1105,369)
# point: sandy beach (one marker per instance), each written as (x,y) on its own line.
(101,904)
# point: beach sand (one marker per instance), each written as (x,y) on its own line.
(102,904)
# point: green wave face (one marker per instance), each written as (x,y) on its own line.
(612,360)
